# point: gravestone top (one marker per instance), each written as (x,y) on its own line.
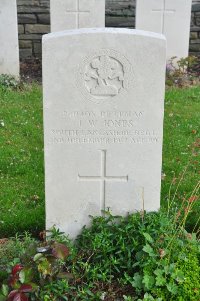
(67,14)
(103,30)
(9,49)
(103,123)
(170,17)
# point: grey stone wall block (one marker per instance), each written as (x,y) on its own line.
(27,18)
(21,29)
(193,35)
(25,53)
(43,18)
(25,44)
(37,47)
(196,8)
(30,37)
(37,28)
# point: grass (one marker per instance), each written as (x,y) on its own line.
(21,161)
(21,155)
(181,151)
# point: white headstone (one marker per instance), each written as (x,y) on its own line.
(170,17)
(74,14)
(9,49)
(103,121)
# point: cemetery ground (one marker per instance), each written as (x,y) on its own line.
(22,168)
(87,266)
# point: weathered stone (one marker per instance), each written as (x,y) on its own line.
(197,41)
(195,47)
(195,28)
(37,47)
(192,23)
(33,3)
(37,28)
(193,35)
(25,44)
(30,36)
(25,53)
(120,21)
(103,123)
(32,9)
(128,12)
(21,29)
(27,18)
(43,18)
(119,5)
(198,21)
(196,8)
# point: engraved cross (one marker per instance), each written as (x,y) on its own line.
(77,13)
(163,12)
(103,178)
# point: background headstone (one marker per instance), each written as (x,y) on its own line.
(9,49)
(103,122)
(73,14)
(170,17)
(34,20)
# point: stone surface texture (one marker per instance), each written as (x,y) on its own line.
(9,48)
(103,123)
(118,14)
(169,17)
(73,14)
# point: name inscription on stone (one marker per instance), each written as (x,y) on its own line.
(103,127)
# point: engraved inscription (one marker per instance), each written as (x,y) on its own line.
(77,13)
(163,11)
(103,127)
(103,178)
(104,75)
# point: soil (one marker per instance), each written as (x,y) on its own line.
(31,70)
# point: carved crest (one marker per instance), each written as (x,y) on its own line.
(105,74)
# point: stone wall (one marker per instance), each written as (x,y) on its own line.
(34,20)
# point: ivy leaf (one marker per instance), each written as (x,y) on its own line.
(180,277)
(160,281)
(148,237)
(149,250)
(148,281)
(60,251)
(172,288)
(158,272)
(137,281)
(169,269)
